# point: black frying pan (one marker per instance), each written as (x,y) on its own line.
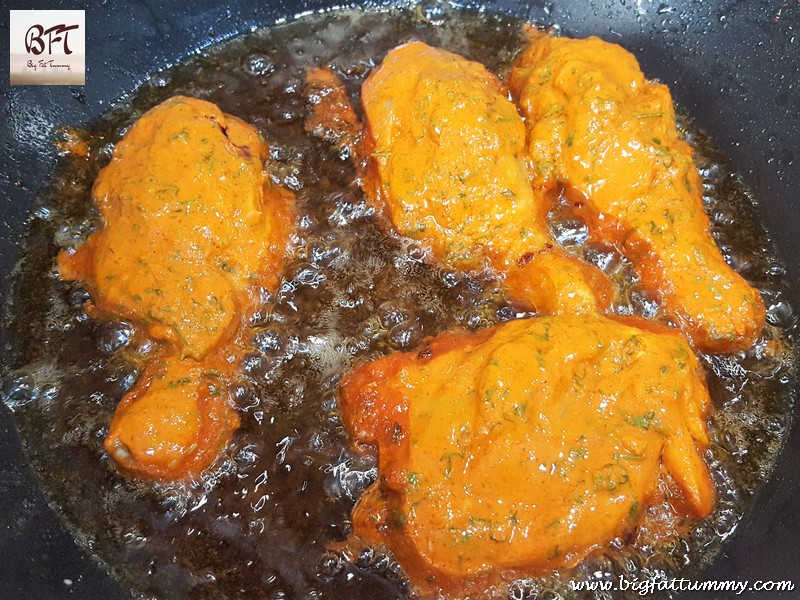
(734,65)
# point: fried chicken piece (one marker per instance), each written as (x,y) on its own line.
(527,445)
(595,123)
(448,169)
(192,228)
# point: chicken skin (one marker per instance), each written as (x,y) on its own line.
(447,167)
(192,228)
(597,125)
(527,445)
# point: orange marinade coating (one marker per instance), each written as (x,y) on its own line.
(185,229)
(527,445)
(448,168)
(174,422)
(192,227)
(595,123)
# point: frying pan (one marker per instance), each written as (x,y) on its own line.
(733,65)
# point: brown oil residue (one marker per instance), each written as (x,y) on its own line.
(261,523)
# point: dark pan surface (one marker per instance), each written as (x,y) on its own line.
(732,66)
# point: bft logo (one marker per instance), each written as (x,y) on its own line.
(48,47)
(34,42)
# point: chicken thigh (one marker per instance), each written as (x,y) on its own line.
(527,445)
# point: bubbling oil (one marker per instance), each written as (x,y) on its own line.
(261,523)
